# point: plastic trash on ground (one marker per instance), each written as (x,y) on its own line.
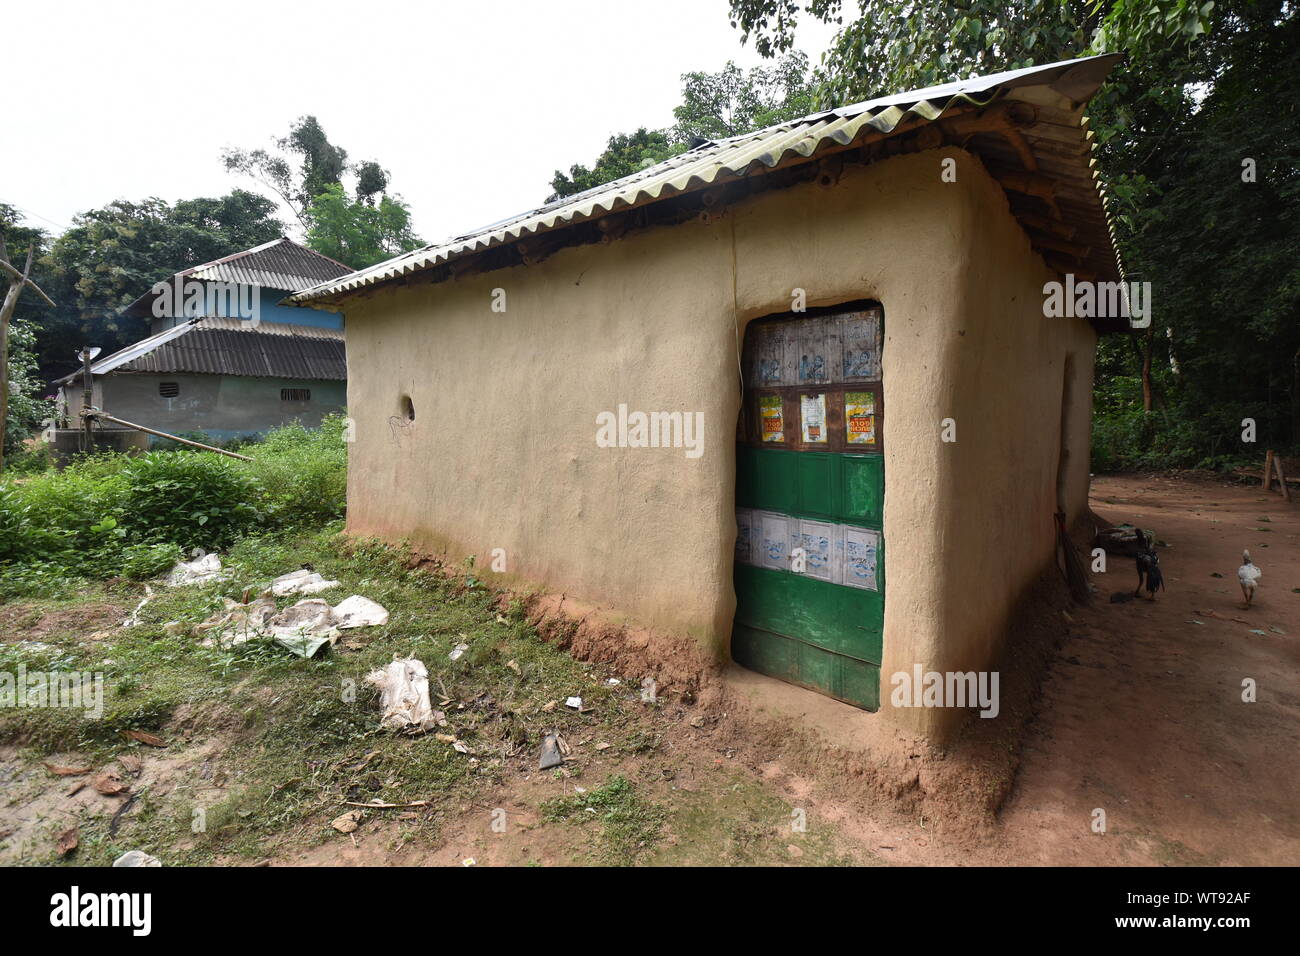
(237,623)
(304,628)
(199,571)
(358,611)
(301,581)
(137,858)
(403,694)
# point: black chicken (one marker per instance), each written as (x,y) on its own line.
(1148,567)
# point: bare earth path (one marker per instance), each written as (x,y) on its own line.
(1143,714)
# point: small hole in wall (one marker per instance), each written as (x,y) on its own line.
(408,408)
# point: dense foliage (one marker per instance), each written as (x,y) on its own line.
(112,255)
(26,410)
(1207,87)
(307,171)
(356,232)
(112,514)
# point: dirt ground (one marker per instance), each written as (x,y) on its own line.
(1141,716)
(1142,713)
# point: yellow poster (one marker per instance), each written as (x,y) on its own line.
(769,413)
(860,417)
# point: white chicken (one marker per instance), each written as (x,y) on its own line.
(1248,574)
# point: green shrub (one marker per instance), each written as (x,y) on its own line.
(142,561)
(111,514)
(191,500)
(302,473)
(29,459)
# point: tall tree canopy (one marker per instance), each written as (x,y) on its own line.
(624,154)
(359,233)
(1207,86)
(306,171)
(111,255)
(734,101)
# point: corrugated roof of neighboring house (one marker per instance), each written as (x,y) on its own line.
(223,346)
(278,264)
(1047,146)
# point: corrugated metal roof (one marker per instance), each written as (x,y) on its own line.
(224,346)
(278,264)
(1064,149)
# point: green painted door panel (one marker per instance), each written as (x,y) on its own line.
(815,481)
(806,484)
(840,619)
(862,489)
(844,678)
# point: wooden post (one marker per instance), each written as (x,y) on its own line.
(1268,469)
(87,400)
(1281,477)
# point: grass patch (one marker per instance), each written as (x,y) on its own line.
(629,825)
(298,737)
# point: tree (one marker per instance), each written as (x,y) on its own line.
(112,255)
(361,232)
(893,45)
(626,153)
(714,106)
(303,164)
(17,405)
(735,101)
(1219,240)
(26,409)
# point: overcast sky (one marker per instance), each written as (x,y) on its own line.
(470,106)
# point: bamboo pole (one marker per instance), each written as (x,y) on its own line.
(153,431)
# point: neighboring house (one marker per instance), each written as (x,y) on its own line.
(623,392)
(225,357)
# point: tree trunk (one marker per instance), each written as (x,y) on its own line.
(6,310)
(1146,372)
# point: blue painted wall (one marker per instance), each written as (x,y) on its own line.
(271,311)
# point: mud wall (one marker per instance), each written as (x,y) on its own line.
(501,451)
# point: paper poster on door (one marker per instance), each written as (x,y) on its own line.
(860,554)
(770,415)
(812,415)
(744,536)
(860,417)
(774,546)
(817,540)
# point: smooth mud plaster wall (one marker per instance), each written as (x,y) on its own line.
(502,453)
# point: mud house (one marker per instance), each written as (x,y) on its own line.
(224,356)
(791,396)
